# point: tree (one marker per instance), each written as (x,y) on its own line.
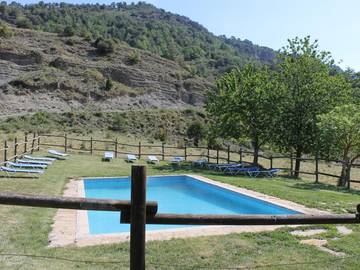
(242,106)
(340,137)
(196,131)
(310,90)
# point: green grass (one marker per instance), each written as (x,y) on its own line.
(25,230)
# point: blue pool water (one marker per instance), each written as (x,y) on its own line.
(174,194)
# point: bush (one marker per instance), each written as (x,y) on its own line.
(69,31)
(23,22)
(134,58)
(108,84)
(104,46)
(5,31)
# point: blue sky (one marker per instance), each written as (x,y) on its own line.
(335,23)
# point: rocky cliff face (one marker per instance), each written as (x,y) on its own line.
(41,71)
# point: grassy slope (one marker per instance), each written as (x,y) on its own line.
(25,230)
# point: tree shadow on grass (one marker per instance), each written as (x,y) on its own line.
(321,186)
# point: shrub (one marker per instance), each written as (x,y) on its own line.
(104,46)
(108,84)
(23,22)
(69,31)
(134,58)
(5,31)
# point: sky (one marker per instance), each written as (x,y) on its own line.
(335,23)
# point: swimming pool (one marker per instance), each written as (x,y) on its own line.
(180,194)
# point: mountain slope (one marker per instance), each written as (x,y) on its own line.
(42,71)
(145,27)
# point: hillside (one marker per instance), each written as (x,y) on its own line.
(41,71)
(145,27)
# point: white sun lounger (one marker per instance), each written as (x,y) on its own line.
(26,165)
(30,161)
(13,170)
(108,156)
(177,160)
(153,159)
(131,158)
(39,158)
(57,153)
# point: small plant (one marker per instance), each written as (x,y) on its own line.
(134,58)
(108,84)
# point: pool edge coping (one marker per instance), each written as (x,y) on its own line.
(78,227)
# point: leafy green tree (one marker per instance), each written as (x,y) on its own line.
(310,90)
(243,107)
(196,131)
(340,137)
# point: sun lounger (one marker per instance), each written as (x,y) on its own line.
(224,167)
(57,153)
(131,158)
(39,158)
(26,165)
(200,162)
(241,170)
(153,159)
(177,160)
(108,156)
(29,161)
(8,170)
(269,172)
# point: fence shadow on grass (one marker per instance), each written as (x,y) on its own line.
(321,186)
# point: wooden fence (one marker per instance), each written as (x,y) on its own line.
(138,212)
(231,154)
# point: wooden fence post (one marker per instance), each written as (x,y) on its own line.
(291,165)
(65,142)
(91,145)
(163,151)
(38,142)
(116,147)
(271,162)
(25,143)
(33,143)
(137,218)
(5,151)
(241,155)
(228,154)
(185,152)
(208,153)
(139,152)
(317,168)
(15,148)
(217,156)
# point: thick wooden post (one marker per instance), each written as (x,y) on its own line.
(217,156)
(139,151)
(185,152)
(317,168)
(33,143)
(116,147)
(241,155)
(91,145)
(291,166)
(15,148)
(208,153)
(138,218)
(163,151)
(271,162)
(65,142)
(25,143)
(228,154)
(5,151)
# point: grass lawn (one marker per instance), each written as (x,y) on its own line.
(24,231)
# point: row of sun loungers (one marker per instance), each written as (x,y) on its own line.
(31,164)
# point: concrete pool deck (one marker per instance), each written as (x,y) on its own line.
(71,227)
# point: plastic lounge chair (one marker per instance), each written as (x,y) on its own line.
(39,158)
(108,156)
(224,167)
(57,153)
(269,172)
(8,170)
(177,160)
(26,165)
(30,161)
(242,170)
(153,159)
(131,158)
(200,162)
